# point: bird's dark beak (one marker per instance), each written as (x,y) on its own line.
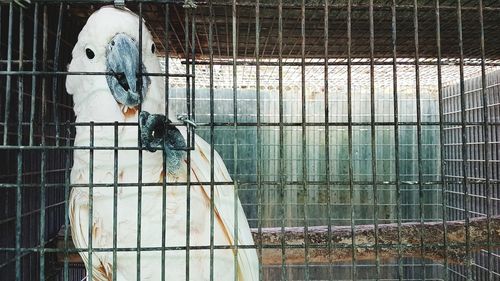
(122,59)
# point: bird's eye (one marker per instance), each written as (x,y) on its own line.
(90,53)
(153,48)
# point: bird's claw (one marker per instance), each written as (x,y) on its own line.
(157,133)
(152,128)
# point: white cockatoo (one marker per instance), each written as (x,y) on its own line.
(109,42)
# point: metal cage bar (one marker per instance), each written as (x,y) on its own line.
(396,133)
(441,135)
(212,132)
(327,140)
(486,140)
(139,166)
(9,68)
(234,40)
(354,273)
(373,137)
(419,132)
(304,137)
(259,134)
(464,143)
(164,161)
(281,168)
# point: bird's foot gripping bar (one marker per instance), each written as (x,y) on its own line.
(158,133)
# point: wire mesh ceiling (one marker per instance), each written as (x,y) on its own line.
(337,28)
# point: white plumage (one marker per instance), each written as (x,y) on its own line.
(93,101)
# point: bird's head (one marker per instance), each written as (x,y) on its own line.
(109,42)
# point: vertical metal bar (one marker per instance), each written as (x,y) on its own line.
(55,79)
(441,140)
(327,143)
(139,170)
(259,134)
(373,137)
(20,80)
(164,157)
(212,134)
(190,141)
(33,77)
(464,142)
(44,151)
(190,144)
(281,140)
(90,249)
(354,274)
(42,206)
(235,136)
(188,89)
(190,100)
(1,17)
(486,138)
(115,197)
(193,68)
(18,214)
(396,136)
(44,67)
(193,135)
(419,134)
(1,14)
(66,201)
(19,179)
(8,78)
(304,135)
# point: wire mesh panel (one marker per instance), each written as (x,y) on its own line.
(34,112)
(479,184)
(361,138)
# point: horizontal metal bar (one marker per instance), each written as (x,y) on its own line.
(244,183)
(110,185)
(362,6)
(244,246)
(271,124)
(341,63)
(56,73)
(109,1)
(48,147)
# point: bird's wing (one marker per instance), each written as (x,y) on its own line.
(224,204)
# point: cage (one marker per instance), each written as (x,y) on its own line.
(362,137)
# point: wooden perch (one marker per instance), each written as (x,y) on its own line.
(432,234)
